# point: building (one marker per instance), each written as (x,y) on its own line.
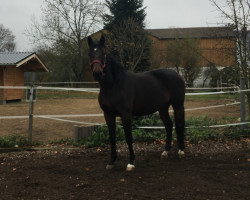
(217,44)
(217,47)
(13,65)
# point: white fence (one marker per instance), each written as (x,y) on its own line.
(96,90)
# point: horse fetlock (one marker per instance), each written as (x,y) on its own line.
(164,154)
(109,167)
(181,153)
(130,167)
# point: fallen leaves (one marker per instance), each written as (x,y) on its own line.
(82,185)
(160,142)
(229,144)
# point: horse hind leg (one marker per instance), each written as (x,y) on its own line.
(179,115)
(168,127)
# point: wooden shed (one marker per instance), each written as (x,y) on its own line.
(13,65)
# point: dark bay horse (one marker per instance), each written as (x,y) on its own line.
(126,94)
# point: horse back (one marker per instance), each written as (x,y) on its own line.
(157,89)
(143,93)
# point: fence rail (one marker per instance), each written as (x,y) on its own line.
(96,90)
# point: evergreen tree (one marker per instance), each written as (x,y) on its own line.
(126,38)
(122,10)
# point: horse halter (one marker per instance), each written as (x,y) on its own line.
(103,65)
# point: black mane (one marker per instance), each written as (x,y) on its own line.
(115,66)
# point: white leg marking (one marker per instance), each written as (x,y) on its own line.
(130,168)
(164,154)
(181,153)
(109,167)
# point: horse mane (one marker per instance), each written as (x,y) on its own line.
(115,65)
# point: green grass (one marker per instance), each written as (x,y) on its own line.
(212,97)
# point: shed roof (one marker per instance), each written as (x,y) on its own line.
(29,61)
(198,32)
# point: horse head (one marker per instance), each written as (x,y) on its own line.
(97,55)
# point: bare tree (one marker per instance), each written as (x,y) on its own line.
(7,40)
(67,23)
(236,13)
(184,55)
(130,42)
(174,54)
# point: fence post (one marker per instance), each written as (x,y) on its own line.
(242,101)
(31,108)
(218,85)
(82,132)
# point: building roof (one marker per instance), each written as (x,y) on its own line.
(12,58)
(29,61)
(199,32)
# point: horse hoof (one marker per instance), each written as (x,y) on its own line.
(109,167)
(181,153)
(130,168)
(164,154)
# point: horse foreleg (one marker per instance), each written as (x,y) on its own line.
(127,125)
(110,120)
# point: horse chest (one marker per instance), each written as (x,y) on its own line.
(115,104)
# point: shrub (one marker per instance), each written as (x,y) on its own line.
(148,120)
(100,137)
(13,141)
(195,132)
(236,132)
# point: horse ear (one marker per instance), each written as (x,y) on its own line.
(90,41)
(102,40)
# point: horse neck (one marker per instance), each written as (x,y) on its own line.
(113,73)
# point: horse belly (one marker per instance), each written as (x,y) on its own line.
(140,112)
(149,104)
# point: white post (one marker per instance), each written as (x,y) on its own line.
(242,101)
(31,108)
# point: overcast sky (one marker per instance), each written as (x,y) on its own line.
(16,15)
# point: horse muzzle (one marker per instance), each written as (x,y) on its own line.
(97,69)
(97,75)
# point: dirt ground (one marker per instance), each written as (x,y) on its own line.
(210,171)
(45,130)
